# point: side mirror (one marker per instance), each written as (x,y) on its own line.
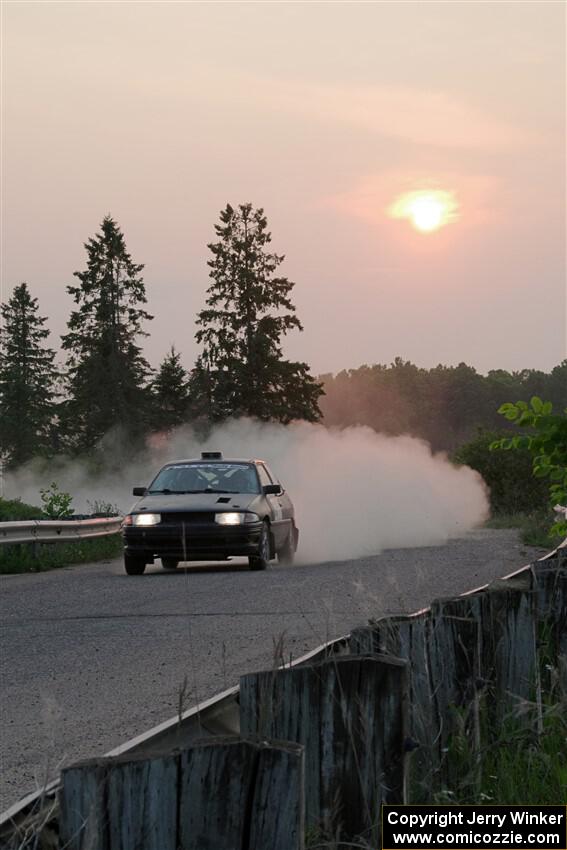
(139,491)
(271,489)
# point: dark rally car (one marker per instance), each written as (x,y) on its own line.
(208,510)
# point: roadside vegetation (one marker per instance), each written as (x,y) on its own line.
(526,473)
(34,557)
(544,436)
(21,558)
(14,510)
(533,528)
(521,765)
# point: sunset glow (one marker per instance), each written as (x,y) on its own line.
(362,130)
(427,210)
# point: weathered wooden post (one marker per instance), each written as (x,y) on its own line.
(142,803)
(82,806)
(218,794)
(454,673)
(550,578)
(407,637)
(119,804)
(350,713)
(245,794)
(505,614)
(443,665)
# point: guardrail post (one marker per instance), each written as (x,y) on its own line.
(350,713)
(222,793)
(82,806)
(505,614)
(245,794)
(550,577)
(443,665)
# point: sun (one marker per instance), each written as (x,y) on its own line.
(426,209)
(426,213)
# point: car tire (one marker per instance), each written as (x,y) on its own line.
(262,559)
(169,563)
(286,554)
(134,566)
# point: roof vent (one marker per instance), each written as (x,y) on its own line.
(211,455)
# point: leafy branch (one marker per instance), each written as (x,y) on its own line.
(546,440)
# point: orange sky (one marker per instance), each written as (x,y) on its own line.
(323,113)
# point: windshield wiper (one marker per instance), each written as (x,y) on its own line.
(210,490)
(167,492)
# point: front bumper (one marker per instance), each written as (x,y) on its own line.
(192,542)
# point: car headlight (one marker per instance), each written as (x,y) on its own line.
(146,519)
(235,518)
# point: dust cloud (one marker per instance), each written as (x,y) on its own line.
(355,492)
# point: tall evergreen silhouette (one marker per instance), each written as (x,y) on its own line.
(27,380)
(241,370)
(107,374)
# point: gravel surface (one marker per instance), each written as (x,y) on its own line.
(92,657)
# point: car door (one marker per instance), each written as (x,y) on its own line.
(283,508)
(279,526)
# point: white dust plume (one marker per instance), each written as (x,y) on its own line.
(355,492)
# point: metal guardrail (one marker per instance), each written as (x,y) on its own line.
(57,530)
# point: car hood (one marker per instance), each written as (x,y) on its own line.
(196,502)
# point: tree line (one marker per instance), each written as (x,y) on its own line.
(446,405)
(106,383)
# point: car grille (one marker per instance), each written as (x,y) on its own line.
(188,517)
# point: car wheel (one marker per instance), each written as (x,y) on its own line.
(286,554)
(262,559)
(134,566)
(169,563)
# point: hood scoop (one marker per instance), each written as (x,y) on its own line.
(223,500)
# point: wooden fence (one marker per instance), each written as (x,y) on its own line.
(324,743)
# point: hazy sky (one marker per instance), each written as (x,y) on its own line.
(323,113)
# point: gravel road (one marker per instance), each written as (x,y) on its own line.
(92,657)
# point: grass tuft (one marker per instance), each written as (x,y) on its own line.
(534,528)
(520,767)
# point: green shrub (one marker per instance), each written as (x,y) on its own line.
(513,488)
(14,510)
(545,438)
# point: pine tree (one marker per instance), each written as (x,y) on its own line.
(107,374)
(27,380)
(170,392)
(241,371)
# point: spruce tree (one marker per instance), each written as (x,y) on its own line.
(107,374)
(170,392)
(241,371)
(27,380)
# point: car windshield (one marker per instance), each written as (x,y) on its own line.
(206,478)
